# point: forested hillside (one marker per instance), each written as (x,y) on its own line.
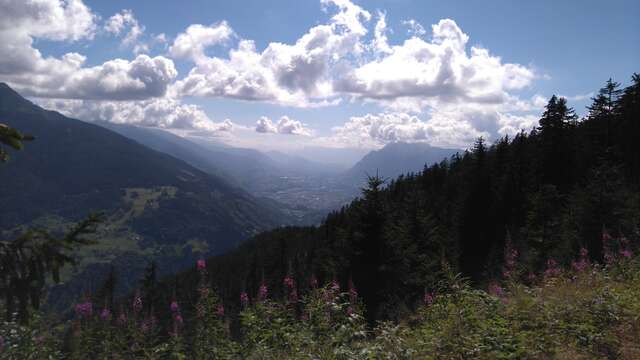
(547,193)
(154,206)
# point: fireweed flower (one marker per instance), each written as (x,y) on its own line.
(84,310)
(262,292)
(244,299)
(335,287)
(609,256)
(122,318)
(350,311)
(582,264)
(626,253)
(201,265)
(510,260)
(496,290)
(178,319)
(293,296)
(220,310)
(174,306)
(428,298)
(353,292)
(552,269)
(288,282)
(105,314)
(137,302)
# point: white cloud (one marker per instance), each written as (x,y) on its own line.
(419,74)
(293,75)
(163,113)
(438,90)
(380,41)
(192,43)
(376,130)
(118,79)
(285,125)
(455,127)
(29,72)
(22,21)
(415,28)
(265,125)
(123,20)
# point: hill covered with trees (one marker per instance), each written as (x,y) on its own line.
(546,193)
(154,205)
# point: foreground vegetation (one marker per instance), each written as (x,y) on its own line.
(584,311)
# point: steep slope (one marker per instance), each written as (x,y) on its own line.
(296,185)
(210,161)
(156,206)
(395,159)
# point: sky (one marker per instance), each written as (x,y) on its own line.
(292,75)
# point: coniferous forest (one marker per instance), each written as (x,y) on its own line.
(522,248)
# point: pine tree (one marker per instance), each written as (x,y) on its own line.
(12,138)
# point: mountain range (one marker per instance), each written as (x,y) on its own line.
(163,197)
(155,206)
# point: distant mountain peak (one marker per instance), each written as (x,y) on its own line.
(397,158)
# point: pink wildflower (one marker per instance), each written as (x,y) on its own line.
(105,314)
(174,306)
(552,269)
(582,264)
(428,298)
(293,296)
(201,264)
(353,292)
(510,260)
(531,277)
(335,287)
(220,310)
(84,310)
(626,253)
(496,290)
(350,311)
(288,281)
(263,292)
(122,318)
(137,302)
(244,299)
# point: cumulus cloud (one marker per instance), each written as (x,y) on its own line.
(415,28)
(123,20)
(419,74)
(380,42)
(27,70)
(434,89)
(294,75)
(285,125)
(163,113)
(142,78)
(452,128)
(22,21)
(338,59)
(192,43)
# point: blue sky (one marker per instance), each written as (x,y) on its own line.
(360,88)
